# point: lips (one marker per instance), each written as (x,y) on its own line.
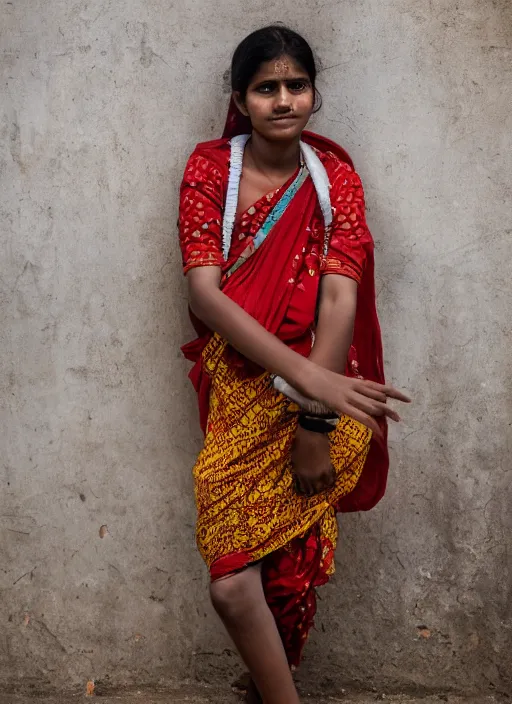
(285,118)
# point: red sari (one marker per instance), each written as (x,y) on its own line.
(247,507)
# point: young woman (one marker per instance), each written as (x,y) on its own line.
(288,359)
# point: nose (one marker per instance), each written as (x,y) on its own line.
(283,100)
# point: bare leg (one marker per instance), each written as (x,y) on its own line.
(245,684)
(240,602)
(253,696)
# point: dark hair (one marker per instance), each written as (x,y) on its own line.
(267,44)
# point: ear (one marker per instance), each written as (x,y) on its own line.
(240,103)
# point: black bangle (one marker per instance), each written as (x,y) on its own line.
(315,424)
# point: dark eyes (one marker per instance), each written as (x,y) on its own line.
(293,86)
(297,86)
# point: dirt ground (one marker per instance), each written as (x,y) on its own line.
(211,696)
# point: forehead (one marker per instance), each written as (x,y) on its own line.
(282,68)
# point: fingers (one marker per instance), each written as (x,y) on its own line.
(311,487)
(330,479)
(374,408)
(370,398)
(367,389)
(383,410)
(394,393)
(303,486)
(325,481)
(365,419)
(393,415)
(387,390)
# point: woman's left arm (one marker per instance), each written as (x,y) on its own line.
(344,267)
(311,459)
(337,312)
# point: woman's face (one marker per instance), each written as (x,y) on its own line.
(279,100)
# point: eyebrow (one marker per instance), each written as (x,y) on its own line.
(288,79)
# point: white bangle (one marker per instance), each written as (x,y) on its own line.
(307,404)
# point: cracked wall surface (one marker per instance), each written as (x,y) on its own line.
(101,103)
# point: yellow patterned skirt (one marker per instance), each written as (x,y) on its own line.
(245,492)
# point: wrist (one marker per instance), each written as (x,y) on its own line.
(316,424)
(313,380)
(301,375)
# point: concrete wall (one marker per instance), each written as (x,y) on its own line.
(101,104)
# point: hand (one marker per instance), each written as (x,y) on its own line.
(360,399)
(311,462)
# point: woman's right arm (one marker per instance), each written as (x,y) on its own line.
(362,400)
(201,204)
(241,330)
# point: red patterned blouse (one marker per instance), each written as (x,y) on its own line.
(202,197)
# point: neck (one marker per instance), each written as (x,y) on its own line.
(275,156)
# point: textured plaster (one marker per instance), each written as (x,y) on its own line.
(101,102)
